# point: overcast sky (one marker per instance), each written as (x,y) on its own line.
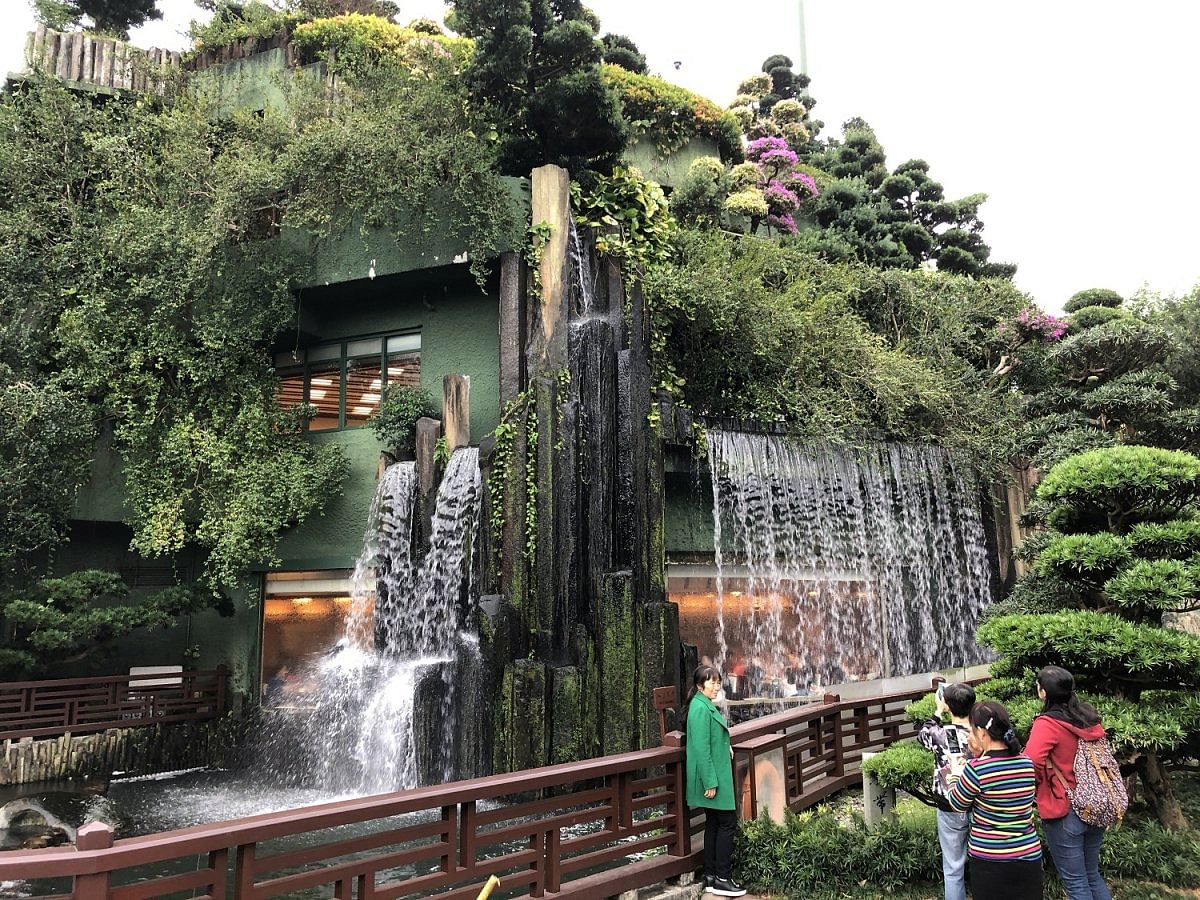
(1076,118)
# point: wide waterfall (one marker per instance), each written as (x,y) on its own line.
(837,563)
(386,715)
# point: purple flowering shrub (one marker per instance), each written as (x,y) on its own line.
(782,186)
(1031,325)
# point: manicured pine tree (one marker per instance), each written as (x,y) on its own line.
(1118,560)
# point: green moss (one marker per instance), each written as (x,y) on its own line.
(622,677)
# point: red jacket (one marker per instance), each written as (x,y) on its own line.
(1054,739)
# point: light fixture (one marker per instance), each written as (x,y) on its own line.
(301,601)
(316,395)
(363,410)
(323,382)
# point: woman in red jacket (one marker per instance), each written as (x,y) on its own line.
(1065,721)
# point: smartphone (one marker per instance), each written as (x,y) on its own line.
(954,742)
(941,691)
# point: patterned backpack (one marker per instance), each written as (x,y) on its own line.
(1099,797)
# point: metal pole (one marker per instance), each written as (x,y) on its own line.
(803,41)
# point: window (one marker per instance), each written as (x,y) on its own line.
(345,380)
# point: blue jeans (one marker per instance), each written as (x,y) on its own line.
(952,835)
(1075,849)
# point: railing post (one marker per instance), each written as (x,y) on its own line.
(93,836)
(679,810)
(839,760)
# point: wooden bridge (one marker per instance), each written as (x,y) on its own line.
(589,829)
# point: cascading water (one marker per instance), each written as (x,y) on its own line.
(386,715)
(859,563)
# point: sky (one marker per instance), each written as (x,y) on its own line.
(1076,118)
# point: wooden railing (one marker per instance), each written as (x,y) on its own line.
(40,709)
(590,829)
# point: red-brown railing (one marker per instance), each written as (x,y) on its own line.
(589,829)
(82,705)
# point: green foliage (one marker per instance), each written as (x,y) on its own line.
(1104,650)
(1090,558)
(904,766)
(46,436)
(1033,594)
(698,200)
(1165,585)
(234,22)
(1176,539)
(395,423)
(668,116)
(1180,317)
(1100,297)
(112,17)
(1114,488)
(1110,349)
(630,214)
(536,72)
(357,44)
(622,51)
(60,621)
(1091,316)
(816,851)
(885,354)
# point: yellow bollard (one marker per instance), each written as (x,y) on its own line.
(492,883)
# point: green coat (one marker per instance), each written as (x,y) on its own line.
(707,754)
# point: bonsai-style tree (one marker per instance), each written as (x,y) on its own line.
(536,69)
(1120,557)
(113,17)
(622,51)
(61,621)
(1106,383)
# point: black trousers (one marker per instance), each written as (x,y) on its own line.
(719,826)
(1018,879)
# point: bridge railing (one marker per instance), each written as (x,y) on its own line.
(590,829)
(40,709)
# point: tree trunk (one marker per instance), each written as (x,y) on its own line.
(1156,783)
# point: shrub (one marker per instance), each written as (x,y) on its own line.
(1163,585)
(356,43)
(1090,316)
(1177,539)
(1091,558)
(698,200)
(395,424)
(669,115)
(1108,488)
(1111,349)
(231,24)
(1093,297)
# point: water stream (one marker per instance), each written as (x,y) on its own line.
(845,563)
(385,716)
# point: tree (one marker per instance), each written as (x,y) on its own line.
(1105,382)
(62,621)
(113,17)
(777,104)
(1119,558)
(622,51)
(536,70)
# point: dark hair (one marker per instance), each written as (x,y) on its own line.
(993,718)
(699,677)
(959,698)
(1061,700)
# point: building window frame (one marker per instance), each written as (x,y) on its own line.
(318,358)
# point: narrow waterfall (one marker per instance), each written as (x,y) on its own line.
(387,715)
(837,563)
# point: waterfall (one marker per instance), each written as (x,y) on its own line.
(859,563)
(387,718)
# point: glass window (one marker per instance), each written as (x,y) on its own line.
(363,386)
(345,381)
(327,351)
(404,369)
(325,393)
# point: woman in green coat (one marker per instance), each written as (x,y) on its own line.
(710,780)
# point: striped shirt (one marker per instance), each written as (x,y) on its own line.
(998,790)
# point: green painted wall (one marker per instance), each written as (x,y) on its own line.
(668,171)
(257,82)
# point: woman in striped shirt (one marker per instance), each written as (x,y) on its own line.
(997,789)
